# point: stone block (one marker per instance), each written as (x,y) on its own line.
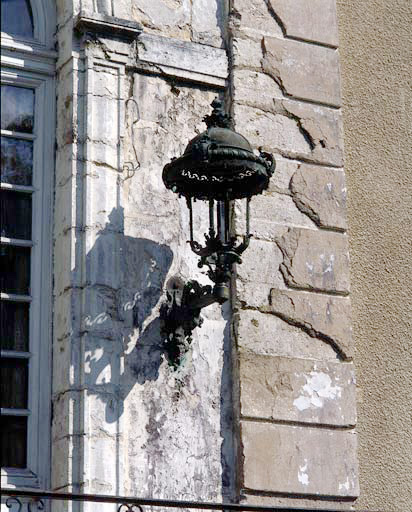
(66,40)
(101,311)
(66,129)
(104,119)
(291,501)
(269,214)
(198,59)
(247,53)
(315,260)
(102,196)
(294,130)
(169,116)
(102,259)
(66,164)
(104,153)
(299,460)
(169,18)
(324,317)
(284,171)
(266,334)
(303,70)
(65,198)
(274,131)
(105,82)
(208,22)
(64,313)
(307,20)
(64,411)
(102,366)
(311,20)
(104,6)
(64,261)
(62,463)
(254,17)
(66,365)
(102,475)
(321,194)
(261,267)
(66,10)
(255,88)
(297,390)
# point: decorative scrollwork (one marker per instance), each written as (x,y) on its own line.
(34,502)
(130,508)
(14,501)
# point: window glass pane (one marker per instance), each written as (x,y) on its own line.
(14,378)
(13,441)
(17,18)
(14,326)
(15,214)
(15,269)
(17,108)
(16,161)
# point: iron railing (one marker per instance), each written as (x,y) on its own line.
(30,500)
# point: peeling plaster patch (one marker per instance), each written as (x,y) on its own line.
(302,475)
(317,389)
(327,265)
(345,485)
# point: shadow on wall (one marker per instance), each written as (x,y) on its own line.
(124,345)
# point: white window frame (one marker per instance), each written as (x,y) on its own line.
(31,63)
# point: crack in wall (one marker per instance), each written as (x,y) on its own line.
(308,329)
(301,205)
(276,17)
(305,133)
(288,247)
(276,77)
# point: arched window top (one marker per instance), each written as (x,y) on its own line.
(17,18)
(31,22)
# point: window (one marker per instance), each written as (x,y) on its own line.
(27,142)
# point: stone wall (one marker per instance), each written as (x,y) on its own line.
(125,422)
(292,315)
(262,409)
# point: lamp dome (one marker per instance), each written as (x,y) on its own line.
(219,164)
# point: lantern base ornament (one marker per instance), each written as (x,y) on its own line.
(180,314)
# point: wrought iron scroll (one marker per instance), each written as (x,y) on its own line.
(130,508)
(15,500)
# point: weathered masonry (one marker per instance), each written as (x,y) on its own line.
(263,408)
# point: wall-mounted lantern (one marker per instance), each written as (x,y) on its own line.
(218,166)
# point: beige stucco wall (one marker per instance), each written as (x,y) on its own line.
(375,49)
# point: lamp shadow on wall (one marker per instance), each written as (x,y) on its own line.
(124,345)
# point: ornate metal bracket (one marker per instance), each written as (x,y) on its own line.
(180,314)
